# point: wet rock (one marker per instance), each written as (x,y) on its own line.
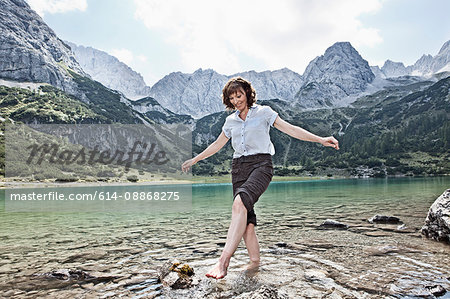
(437,223)
(381,250)
(436,290)
(285,248)
(384,219)
(59,279)
(386,249)
(264,292)
(173,275)
(316,244)
(281,244)
(377,234)
(66,274)
(362,229)
(329,223)
(9,293)
(405,229)
(86,256)
(396,229)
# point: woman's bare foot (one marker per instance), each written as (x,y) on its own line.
(253,265)
(252,268)
(219,271)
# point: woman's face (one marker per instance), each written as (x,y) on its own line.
(239,100)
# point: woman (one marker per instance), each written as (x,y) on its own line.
(252,168)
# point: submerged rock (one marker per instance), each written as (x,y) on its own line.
(67,274)
(285,248)
(62,277)
(380,250)
(384,219)
(264,292)
(328,223)
(437,223)
(436,290)
(281,244)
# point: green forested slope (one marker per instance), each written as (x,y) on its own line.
(391,132)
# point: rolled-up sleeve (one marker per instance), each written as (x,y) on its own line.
(227,129)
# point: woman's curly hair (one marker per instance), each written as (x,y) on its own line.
(235,84)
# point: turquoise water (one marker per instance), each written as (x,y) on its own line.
(128,247)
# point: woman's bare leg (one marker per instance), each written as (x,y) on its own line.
(252,244)
(234,236)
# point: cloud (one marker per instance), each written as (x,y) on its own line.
(57,6)
(124,55)
(142,58)
(287,33)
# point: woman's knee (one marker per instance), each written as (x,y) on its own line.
(250,229)
(238,205)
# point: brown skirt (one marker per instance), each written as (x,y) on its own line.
(251,176)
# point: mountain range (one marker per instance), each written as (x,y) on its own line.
(427,65)
(334,79)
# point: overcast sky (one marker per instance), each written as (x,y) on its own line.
(157,37)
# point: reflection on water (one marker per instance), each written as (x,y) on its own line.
(125,250)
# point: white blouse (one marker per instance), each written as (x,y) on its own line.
(251,136)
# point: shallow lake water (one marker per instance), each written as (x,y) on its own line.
(298,258)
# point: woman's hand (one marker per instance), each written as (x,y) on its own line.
(330,141)
(187,164)
(209,151)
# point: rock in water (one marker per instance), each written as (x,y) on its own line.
(437,223)
(329,223)
(176,277)
(67,274)
(264,292)
(384,219)
(70,276)
(436,290)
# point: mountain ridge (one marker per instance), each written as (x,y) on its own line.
(111,72)
(31,51)
(332,84)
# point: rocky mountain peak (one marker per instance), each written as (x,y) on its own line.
(111,72)
(445,49)
(340,63)
(339,73)
(339,48)
(31,51)
(394,69)
(199,93)
(196,94)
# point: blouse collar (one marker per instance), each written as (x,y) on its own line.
(236,114)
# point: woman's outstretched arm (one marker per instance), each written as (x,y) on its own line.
(303,134)
(209,151)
